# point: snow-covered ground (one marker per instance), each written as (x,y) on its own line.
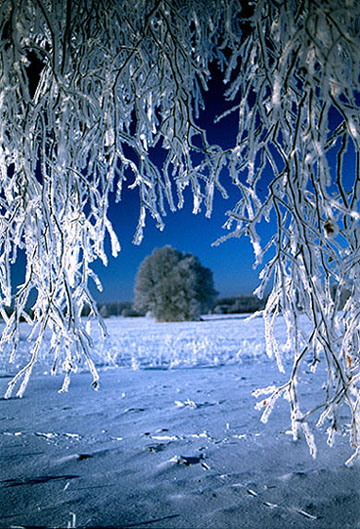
(171,439)
(143,343)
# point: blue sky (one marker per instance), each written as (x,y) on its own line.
(231,262)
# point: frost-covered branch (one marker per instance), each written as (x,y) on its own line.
(298,106)
(92,95)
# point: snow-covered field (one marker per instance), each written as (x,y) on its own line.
(143,343)
(171,439)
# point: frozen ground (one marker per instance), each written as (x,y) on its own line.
(171,440)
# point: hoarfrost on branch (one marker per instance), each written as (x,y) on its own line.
(90,90)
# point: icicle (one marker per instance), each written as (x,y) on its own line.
(349,462)
(310,440)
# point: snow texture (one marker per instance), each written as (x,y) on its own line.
(218,341)
(171,448)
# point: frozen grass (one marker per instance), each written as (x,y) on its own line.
(141,343)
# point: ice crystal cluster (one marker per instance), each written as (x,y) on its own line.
(91,91)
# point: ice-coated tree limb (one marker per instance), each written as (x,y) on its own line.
(299,113)
(88,91)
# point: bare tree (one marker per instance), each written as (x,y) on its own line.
(89,89)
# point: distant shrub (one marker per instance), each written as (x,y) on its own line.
(238,305)
(115,308)
(131,312)
(174,286)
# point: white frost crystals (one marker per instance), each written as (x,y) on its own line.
(89,92)
(85,91)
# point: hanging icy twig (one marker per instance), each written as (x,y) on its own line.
(91,94)
(298,109)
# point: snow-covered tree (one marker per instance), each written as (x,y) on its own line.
(91,92)
(174,286)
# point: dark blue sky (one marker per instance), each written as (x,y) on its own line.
(231,262)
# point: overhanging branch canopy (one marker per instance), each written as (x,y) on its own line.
(90,91)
